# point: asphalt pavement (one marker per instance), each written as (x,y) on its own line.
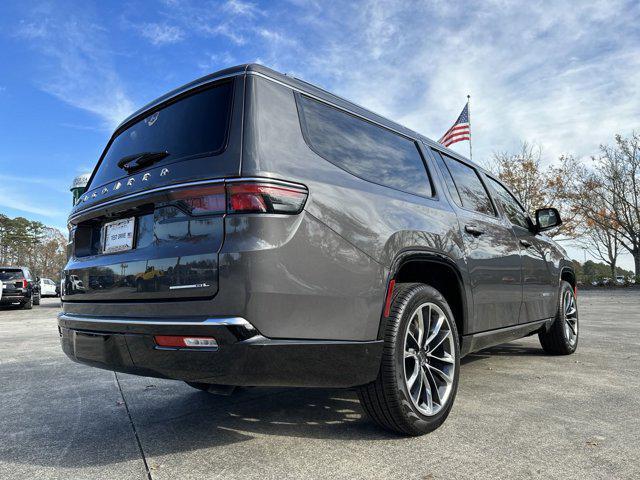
(519,414)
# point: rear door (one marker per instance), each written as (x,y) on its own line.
(539,283)
(492,251)
(151,227)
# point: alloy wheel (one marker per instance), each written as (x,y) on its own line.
(570,317)
(429,358)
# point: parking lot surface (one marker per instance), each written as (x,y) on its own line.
(519,414)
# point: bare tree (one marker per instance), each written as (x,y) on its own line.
(537,186)
(609,195)
(602,244)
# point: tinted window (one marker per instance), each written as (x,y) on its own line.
(472,192)
(7,274)
(451,186)
(512,209)
(195,125)
(366,150)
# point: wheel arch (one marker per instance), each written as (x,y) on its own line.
(440,272)
(568,275)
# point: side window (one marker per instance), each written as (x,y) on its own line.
(471,189)
(27,274)
(512,209)
(362,148)
(451,186)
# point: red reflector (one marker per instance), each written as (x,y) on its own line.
(180,341)
(387,303)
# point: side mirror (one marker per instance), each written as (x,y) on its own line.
(547,218)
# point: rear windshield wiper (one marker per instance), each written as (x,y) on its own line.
(140,160)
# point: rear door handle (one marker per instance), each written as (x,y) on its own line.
(525,243)
(473,230)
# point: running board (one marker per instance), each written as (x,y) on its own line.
(478,341)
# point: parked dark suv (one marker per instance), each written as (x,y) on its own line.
(250,229)
(19,287)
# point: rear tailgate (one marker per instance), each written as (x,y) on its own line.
(168,245)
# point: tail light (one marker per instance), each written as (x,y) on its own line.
(202,200)
(265,198)
(24,283)
(242,197)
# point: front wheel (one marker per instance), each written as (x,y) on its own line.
(418,376)
(562,336)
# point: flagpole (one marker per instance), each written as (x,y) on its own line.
(469,114)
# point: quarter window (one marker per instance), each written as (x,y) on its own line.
(363,149)
(448,179)
(512,209)
(473,193)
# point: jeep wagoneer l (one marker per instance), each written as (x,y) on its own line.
(250,229)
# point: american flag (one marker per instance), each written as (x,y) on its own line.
(459,131)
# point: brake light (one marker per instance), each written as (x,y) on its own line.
(242,197)
(24,283)
(265,198)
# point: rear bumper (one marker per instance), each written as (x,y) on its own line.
(243,358)
(14,298)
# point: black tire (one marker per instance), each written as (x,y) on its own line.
(387,400)
(557,340)
(28,305)
(36,299)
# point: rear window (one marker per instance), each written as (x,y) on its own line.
(363,149)
(6,274)
(196,125)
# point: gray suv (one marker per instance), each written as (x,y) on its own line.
(251,229)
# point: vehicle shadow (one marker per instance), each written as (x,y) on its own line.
(171,418)
(513,349)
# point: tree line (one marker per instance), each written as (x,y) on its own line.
(31,244)
(598,200)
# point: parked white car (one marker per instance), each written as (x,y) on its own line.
(47,288)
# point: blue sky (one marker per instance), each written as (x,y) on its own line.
(562,74)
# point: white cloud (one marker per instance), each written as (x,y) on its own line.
(161,34)
(563,75)
(238,7)
(77,66)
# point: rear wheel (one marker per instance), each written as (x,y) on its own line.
(28,305)
(562,336)
(418,377)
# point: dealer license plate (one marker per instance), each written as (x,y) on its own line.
(118,235)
